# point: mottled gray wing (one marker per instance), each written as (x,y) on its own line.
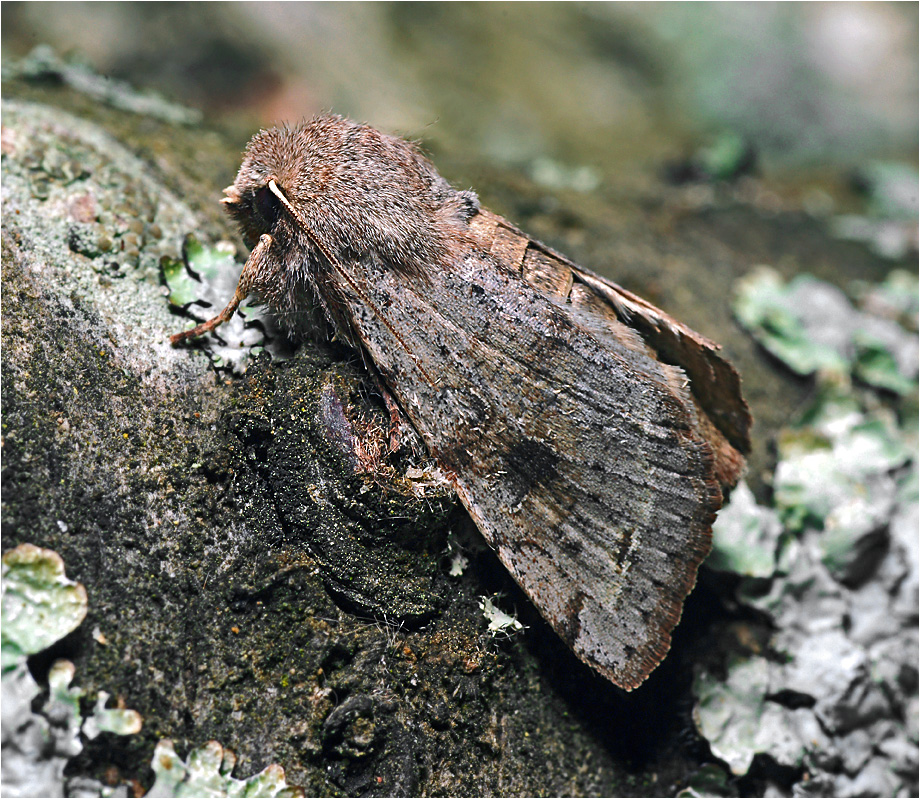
(576,451)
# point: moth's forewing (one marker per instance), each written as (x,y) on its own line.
(713,380)
(724,416)
(578,454)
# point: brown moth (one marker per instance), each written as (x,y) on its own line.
(589,435)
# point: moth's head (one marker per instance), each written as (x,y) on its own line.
(272,163)
(350,189)
(328,161)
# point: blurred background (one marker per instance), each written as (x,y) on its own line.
(610,87)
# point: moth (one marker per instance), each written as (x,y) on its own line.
(589,435)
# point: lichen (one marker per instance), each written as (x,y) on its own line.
(40,606)
(97,231)
(200,285)
(833,695)
(207,771)
(218,622)
(500,623)
(811,326)
(746,536)
(888,225)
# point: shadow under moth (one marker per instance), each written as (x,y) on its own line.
(589,435)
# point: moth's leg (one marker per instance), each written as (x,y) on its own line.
(247,278)
(402,431)
(396,414)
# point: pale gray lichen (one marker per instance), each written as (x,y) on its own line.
(458,564)
(40,605)
(835,693)
(207,772)
(500,623)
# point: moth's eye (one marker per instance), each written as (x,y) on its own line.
(267,206)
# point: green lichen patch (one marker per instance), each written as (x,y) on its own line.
(888,225)
(876,364)
(839,459)
(200,285)
(38,746)
(761,306)
(120,721)
(812,327)
(897,297)
(207,771)
(745,536)
(183,289)
(727,157)
(40,604)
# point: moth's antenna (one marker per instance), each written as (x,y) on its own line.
(327,254)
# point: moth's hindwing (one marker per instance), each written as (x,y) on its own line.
(577,453)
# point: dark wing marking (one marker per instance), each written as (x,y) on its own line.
(724,416)
(577,453)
